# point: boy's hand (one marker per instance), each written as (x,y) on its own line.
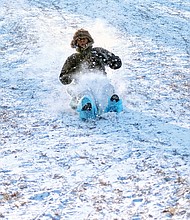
(65,79)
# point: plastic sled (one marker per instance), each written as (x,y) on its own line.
(87,108)
(114,105)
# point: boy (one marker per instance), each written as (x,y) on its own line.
(90,59)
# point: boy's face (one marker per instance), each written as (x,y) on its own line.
(82,42)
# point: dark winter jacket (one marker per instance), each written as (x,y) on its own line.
(93,58)
(89,58)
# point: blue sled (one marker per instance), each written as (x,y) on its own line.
(114,106)
(87,113)
(88,110)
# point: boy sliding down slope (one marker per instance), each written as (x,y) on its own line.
(92,93)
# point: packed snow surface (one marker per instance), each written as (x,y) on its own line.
(132,166)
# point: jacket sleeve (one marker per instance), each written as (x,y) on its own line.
(68,70)
(114,62)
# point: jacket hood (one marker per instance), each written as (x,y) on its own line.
(81,33)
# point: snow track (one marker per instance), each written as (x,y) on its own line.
(134,165)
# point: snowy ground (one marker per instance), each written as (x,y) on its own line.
(135,165)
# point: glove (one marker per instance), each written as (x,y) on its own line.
(115,63)
(65,79)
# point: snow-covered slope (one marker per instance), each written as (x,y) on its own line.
(134,165)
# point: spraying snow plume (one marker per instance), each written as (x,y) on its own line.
(92,83)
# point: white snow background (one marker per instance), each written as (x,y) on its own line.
(131,166)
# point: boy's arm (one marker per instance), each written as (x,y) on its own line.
(114,62)
(68,69)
